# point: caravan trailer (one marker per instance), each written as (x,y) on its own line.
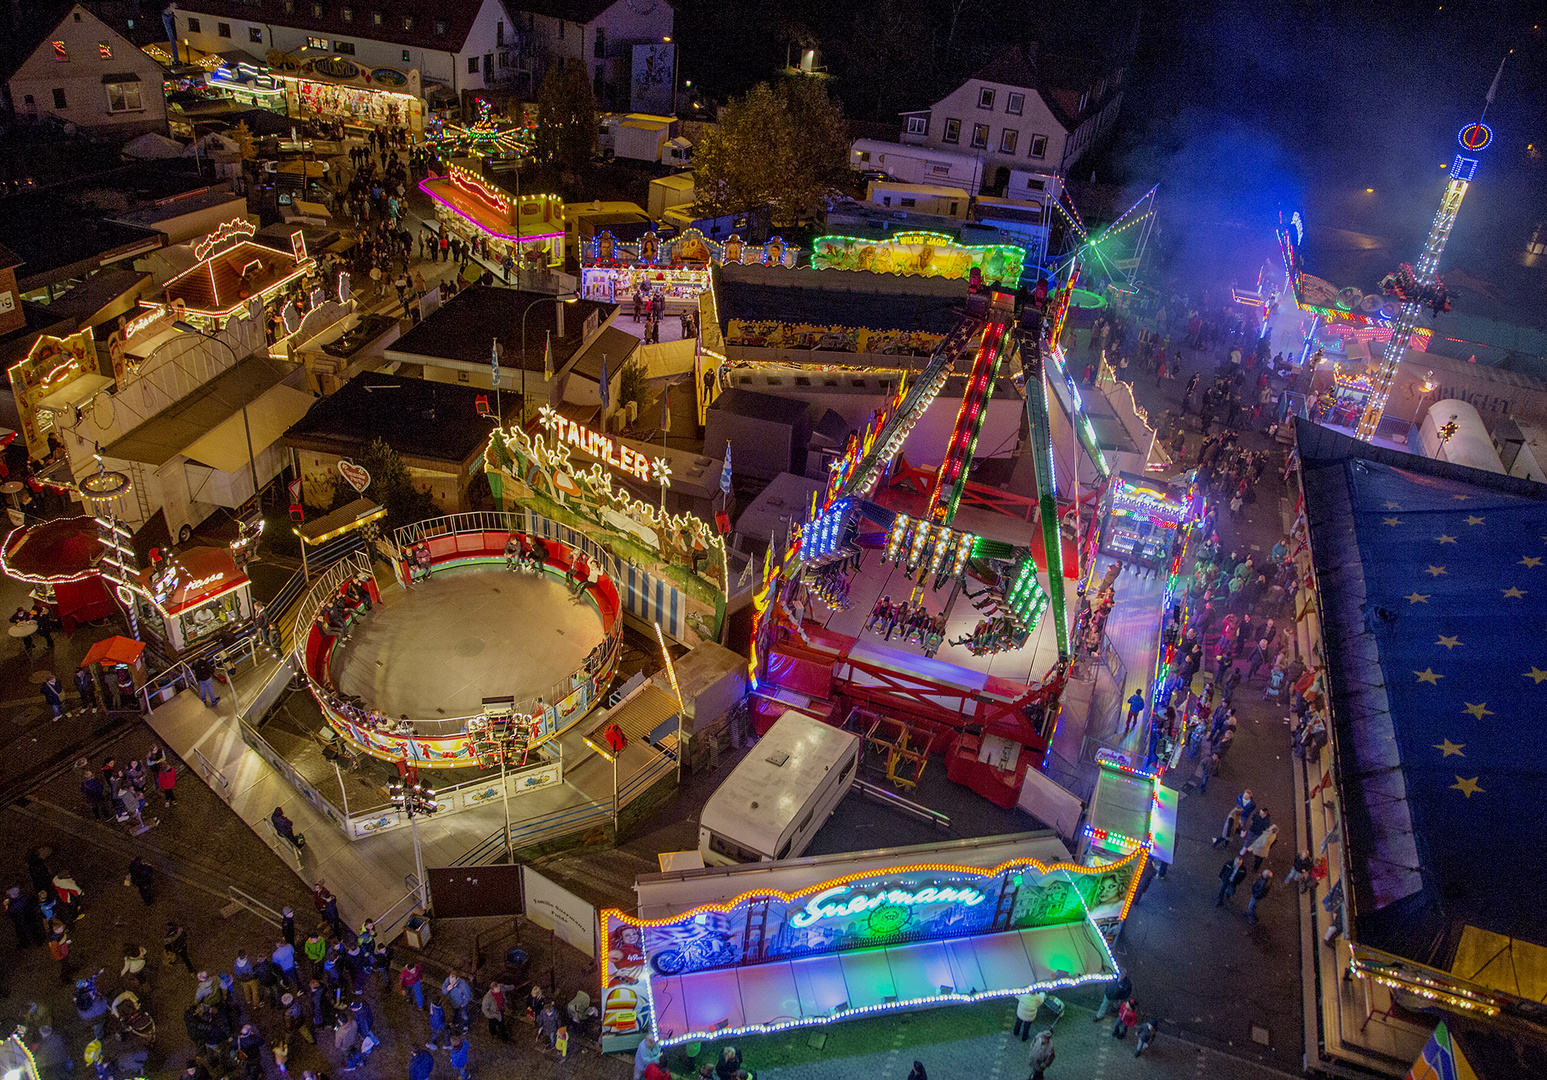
(780,794)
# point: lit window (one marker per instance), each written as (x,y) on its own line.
(345,47)
(316,11)
(347,14)
(440,27)
(1007,140)
(953,131)
(408,22)
(980,136)
(255,35)
(405,56)
(104,50)
(59,51)
(1038,146)
(918,125)
(316,43)
(985,98)
(376,17)
(123,97)
(1014,103)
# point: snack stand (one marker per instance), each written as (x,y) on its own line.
(1142,519)
(193,596)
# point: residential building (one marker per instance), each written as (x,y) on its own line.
(1023,113)
(625,45)
(81,71)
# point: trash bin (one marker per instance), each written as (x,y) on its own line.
(417,931)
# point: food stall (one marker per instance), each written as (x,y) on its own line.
(193,596)
(612,270)
(1141,519)
(528,227)
(1342,403)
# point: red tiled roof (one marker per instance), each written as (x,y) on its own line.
(457,16)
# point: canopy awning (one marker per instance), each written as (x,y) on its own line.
(114,650)
(349,516)
(74,392)
(271,415)
(188,420)
(63,549)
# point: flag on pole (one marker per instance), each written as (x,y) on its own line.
(548,359)
(494,362)
(606,390)
(725,473)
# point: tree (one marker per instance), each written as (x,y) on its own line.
(391,486)
(785,147)
(566,117)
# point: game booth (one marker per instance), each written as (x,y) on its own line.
(613,270)
(1143,516)
(765,947)
(1342,402)
(528,227)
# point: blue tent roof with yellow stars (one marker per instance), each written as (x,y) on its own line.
(1433,583)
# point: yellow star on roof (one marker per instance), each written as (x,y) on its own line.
(1391,521)
(1463,498)
(1479,710)
(1448,642)
(1418,598)
(1467,787)
(1450,748)
(1513,592)
(1473,519)
(1446,539)
(1393,506)
(1436,571)
(1530,560)
(1536,673)
(1427,675)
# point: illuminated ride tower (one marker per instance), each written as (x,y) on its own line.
(1419,286)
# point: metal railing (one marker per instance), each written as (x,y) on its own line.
(388,920)
(213,776)
(254,905)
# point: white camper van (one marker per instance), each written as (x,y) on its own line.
(780,794)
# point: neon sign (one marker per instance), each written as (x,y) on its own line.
(820,906)
(607,449)
(230,230)
(480,188)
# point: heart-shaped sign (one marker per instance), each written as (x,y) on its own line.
(358,478)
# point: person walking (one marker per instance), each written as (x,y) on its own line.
(53,694)
(1135,708)
(1113,995)
(143,878)
(1146,1033)
(1042,1054)
(174,946)
(411,982)
(1263,844)
(493,1005)
(438,1025)
(547,1027)
(1230,876)
(204,674)
(1260,889)
(1127,1017)
(459,1054)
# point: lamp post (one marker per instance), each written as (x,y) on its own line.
(187,328)
(416,800)
(563,298)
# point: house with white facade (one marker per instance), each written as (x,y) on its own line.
(83,72)
(358,57)
(1027,115)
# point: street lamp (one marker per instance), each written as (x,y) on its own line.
(564,298)
(185,327)
(414,799)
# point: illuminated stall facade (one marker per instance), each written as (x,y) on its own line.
(232,272)
(678,267)
(1142,519)
(922,253)
(42,383)
(529,228)
(336,88)
(903,937)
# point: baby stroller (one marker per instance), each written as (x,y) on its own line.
(1275,687)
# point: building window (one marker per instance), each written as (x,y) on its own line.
(345,47)
(59,51)
(317,43)
(193,26)
(104,50)
(953,131)
(408,22)
(223,29)
(1083,99)
(255,35)
(347,14)
(939,170)
(472,65)
(59,101)
(907,202)
(1014,103)
(918,125)
(1038,146)
(123,97)
(376,18)
(316,11)
(985,98)
(405,56)
(600,49)
(289,7)
(1034,185)
(980,136)
(561,29)
(440,27)
(1007,139)
(499,32)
